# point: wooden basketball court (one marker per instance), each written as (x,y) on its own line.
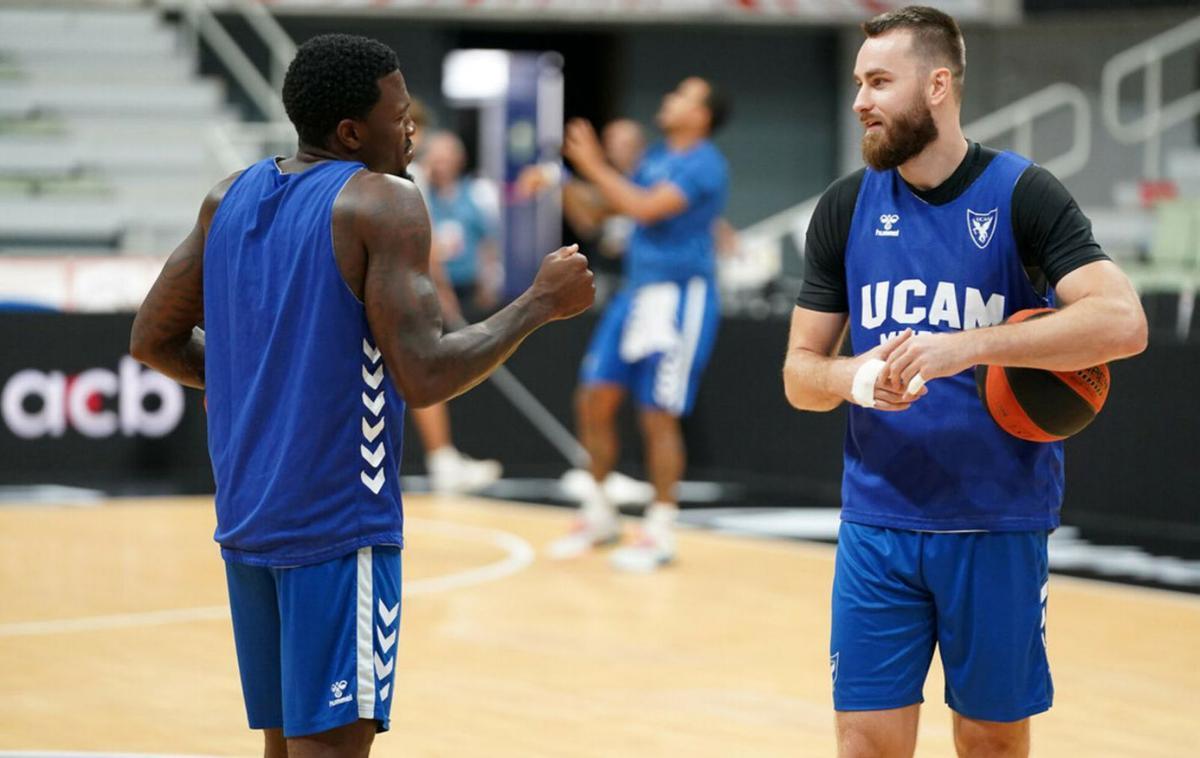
(115,638)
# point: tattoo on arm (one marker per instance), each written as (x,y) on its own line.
(405,316)
(167,334)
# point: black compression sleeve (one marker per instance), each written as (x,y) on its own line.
(824,287)
(1051,231)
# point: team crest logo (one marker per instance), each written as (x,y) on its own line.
(982,226)
(833,666)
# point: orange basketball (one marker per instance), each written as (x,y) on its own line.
(1038,405)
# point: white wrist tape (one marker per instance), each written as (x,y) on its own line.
(915,384)
(862,387)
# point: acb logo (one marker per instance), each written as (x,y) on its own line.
(46,403)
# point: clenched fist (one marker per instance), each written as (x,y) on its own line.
(563,284)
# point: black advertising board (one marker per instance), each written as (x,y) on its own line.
(75,409)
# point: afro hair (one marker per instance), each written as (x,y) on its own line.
(333,77)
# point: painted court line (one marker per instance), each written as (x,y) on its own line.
(518,555)
(79,754)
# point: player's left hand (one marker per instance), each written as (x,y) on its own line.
(933,356)
(581,146)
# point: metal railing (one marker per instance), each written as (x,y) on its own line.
(1019,117)
(279,44)
(236,145)
(200,23)
(1156,118)
(227,142)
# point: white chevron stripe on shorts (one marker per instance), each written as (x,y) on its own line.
(673,381)
(364,635)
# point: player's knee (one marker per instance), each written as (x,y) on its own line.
(660,426)
(350,741)
(865,741)
(597,404)
(584,404)
(991,739)
(274,744)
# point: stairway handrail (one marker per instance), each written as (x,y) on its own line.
(1148,57)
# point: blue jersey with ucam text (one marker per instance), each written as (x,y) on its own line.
(304,426)
(680,247)
(942,465)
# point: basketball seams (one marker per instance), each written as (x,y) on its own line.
(1043,395)
(1089,384)
(1010,416)
(1070,399)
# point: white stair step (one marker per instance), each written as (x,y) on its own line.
(147,165)
(121,57)
(84,43)
(197,98)
(142,70)
(158,128)
(59,155)
(46,20)
(180,192)
(15,149)
(51,217)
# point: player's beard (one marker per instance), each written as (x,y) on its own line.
(908,134)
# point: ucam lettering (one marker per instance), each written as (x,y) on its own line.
(76,402)
(907,302)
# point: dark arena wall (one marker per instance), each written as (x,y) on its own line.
(76,410)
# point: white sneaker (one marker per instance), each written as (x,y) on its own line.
(625,490)
(578,484)
(646,555)
(585,536)
(453,472)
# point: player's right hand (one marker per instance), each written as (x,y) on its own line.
(564,283)
(888,397)
(532,181)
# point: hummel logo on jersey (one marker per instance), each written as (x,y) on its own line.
(888,220)
(982,226)
(338,689)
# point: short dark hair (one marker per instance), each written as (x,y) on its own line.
(332,77)
(936,36)
(718,105)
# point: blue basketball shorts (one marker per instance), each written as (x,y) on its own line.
(980,597)
(316,645)
(655,340)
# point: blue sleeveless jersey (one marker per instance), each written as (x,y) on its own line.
(943,464)
(680,247)
(304,426)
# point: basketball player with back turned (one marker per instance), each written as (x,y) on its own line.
(302,303)
(945,517)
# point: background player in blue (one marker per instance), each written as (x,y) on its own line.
(658,332)
(302,303)
(945,517)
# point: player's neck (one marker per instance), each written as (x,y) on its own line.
(308,154)
(681,140)
(937,161)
